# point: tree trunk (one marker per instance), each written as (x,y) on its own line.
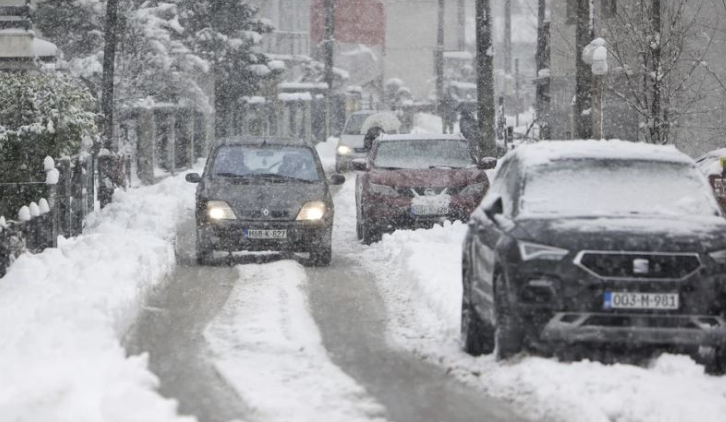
(485,79)
(461,24)
(543,62)
(439,65)
(508,37)
(656,130)
(329,52)
(106,188)
(583,37)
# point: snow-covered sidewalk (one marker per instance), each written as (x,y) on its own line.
(266,344)
(64,312)
(419,273)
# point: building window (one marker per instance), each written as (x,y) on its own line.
(609,8)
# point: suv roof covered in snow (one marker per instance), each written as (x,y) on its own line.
(543,152)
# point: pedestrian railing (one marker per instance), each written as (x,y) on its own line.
(64,200)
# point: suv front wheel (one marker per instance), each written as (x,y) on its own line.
(509,332)
(477,336)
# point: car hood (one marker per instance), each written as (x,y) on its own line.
(660,234)
(434,178)
(282,200)
(355,141)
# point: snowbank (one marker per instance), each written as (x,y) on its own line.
(419,275)
(266,344)
(64,311)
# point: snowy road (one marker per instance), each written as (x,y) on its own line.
(196,334)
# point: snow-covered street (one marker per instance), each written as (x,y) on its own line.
(373,337)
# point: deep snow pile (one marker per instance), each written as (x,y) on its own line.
(266,344)
(63,313)
(419,273)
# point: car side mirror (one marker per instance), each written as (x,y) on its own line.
(486,163)
(193,178)
(360,164)
(493,206)
(336,179)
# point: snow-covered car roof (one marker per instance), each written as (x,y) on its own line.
(419,137)
(547,151)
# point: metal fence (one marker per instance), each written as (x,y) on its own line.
(63,201)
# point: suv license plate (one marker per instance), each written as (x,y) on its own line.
(265,234)
(655,301)
(429,209)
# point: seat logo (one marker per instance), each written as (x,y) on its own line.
(265,212)
(641,266)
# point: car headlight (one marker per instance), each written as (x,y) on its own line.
(530,251)
(220,210)
(382,190)
(344,150)
(719,257)
(312,211)
(475,189)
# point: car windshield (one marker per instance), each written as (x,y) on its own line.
(423,154)
(355,123)
(286,162)
(615,187)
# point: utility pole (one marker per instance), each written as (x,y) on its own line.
(583,76)
(439,65)
(106,160)
(461,24)
(329,45)
(485,79)
(656,49)
(543,64)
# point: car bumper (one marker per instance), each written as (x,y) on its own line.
(636,329)
(301,236)
(396,213)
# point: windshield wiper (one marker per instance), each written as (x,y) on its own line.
(283,178)
(233,175)
(389,168)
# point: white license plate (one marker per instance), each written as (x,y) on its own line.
(265,234)
(429,209)
(656,301)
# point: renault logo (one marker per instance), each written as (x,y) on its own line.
(641,266)
(265,212)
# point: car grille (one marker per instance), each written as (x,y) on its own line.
(260,215)
(421,191)
(636,265)
(360,150)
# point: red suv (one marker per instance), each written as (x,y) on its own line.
(410,181)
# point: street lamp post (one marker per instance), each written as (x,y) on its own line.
(596,55)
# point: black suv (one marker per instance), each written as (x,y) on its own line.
(612,244)
(264,194)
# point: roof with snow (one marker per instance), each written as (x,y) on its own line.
(541,153)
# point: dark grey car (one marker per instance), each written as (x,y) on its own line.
(264,194)
(609,244)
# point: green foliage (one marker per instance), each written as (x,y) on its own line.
(40,115)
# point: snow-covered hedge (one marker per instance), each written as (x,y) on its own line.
(40,115)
